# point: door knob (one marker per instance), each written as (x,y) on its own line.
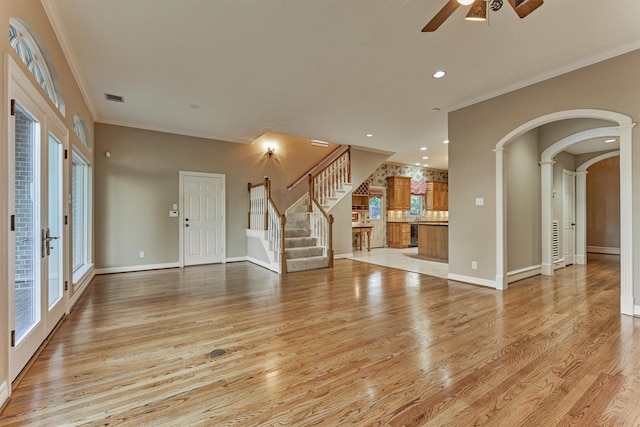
(186,225)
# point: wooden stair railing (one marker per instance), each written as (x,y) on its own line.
(329,158)
(326,181)
(264,216)
(324,184)
(322,228)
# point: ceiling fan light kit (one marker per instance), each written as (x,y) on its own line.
(478,10)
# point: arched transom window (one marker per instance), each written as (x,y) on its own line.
(31,53)
(81,131)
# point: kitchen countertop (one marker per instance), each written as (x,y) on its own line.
(419,222)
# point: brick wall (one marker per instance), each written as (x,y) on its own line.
(26,241)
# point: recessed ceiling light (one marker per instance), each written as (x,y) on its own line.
(417,164)
(319,143)
(446,141)
(369,135)
(439,74)
(425,157)
(423,148)
(606,141)
(425,165)
(465,2)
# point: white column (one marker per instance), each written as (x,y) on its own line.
(546,226)
(581,217)
(501,224)
(626,222)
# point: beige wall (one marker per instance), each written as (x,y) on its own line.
(137,185)
(32,13)
(603,204)
(523,203)
(474,132)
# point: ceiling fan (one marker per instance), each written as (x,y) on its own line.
(478,10)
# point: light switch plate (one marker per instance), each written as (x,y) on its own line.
(479,201)
(173,214)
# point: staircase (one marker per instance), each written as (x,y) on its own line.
(301,250)
(301,239)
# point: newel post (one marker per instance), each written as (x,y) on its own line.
(283,255)
(349,163)
(267,194)
(249,213)
(330,248)
(311,191)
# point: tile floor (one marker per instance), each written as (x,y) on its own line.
(403,259)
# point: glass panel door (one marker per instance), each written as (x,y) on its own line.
(26,253)
(53,233)
(36,266)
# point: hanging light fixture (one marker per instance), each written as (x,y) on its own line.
(478,11)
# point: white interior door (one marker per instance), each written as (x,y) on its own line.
(203,224)
(376,217)
(36,194)
(569,216)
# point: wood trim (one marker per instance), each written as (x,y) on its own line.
(312,169)
(603,250)
(132,268)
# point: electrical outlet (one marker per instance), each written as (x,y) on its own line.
(141,254)
(474,265)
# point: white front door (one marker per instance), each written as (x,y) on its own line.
(203,224)
(376,217)
(37,232)
(569,216)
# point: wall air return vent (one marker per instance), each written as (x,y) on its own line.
(114,98)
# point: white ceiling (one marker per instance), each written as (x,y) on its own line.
(332,70)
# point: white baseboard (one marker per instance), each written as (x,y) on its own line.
(472,280)
(343,256)
(4,393)
(236,259)
(636,310)
(275,268)
(523,273)
(131,268)
(80,287)
(603,250)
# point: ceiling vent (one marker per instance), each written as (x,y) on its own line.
(114,98)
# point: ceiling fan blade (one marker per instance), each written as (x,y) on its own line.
(525,7)
(441,16)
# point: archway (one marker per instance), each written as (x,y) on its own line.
(624,128)
(546,177)
(581,202)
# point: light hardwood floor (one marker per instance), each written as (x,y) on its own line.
(361,344)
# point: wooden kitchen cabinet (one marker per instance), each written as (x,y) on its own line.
(437,196)
(359,203)
(360,198)
(399,193)
(398,234)
(433,241)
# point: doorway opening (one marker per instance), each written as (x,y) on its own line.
(624,128)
